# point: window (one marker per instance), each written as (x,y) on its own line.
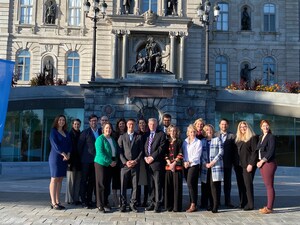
(269,18)
(25,11)
(23,65)
(74,12)
(269,71)
(222,23)
(73,67)
(146,4)
(221,71)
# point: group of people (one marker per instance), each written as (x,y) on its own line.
(100,161)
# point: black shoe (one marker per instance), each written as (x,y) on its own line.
(133,208)
(84,205)
(55,206)
(107,209)
(170,209)
(157,210)
(61,206)
(214,211)
(209,208)
(123,208)
(150,208)
(247,208)
(100,209)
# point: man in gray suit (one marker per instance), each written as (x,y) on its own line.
(131,151)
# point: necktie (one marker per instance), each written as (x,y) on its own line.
(130,137)
(223,137)
(150,143)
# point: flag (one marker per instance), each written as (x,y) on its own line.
(6,74)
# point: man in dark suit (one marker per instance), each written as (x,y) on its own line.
(87,151)
(131,151)
(230,158)
(154,158)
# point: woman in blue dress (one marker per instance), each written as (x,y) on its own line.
(58,159)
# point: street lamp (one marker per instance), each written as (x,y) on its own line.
(96,8)
(203,13)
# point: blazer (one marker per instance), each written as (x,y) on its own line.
(266,148)
(130,150)
(86,145)
(215,154)
(157,150)
(247,152)
(230,156)
(103,150)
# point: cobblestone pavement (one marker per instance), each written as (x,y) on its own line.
(25,200)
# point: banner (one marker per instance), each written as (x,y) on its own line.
(6,74)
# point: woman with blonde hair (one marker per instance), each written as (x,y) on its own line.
(212,168)
(199,124)
(246,142)
(192,150)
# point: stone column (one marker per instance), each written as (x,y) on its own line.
(172,51)
(182,56)
(124,54)
(119,7)
(114,54)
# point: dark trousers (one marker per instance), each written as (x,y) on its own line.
(146,193)
(215,187)
(103,181)
(156,187)
(267,172)
(248,180)
(173,190)
(87,183)
(227,185)
(129,178)
(241,186)
(191,175)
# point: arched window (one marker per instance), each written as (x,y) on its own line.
(222,23)
(73,66)
(221,71)
(269,17)
(269,71)
(23,65)
(146,4)
(74,12)
(26,11)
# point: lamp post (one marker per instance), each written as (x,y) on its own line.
(96,8)
(203,13)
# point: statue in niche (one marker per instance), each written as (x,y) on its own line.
(48,72)
(246,20)
(246,74)
(141,64)
(50,13)
(172,7)
(126,6)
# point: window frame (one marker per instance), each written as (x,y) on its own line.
(74,58)
(221,60)
(28,8)
(74,21)
(269,18)
(270,63)
(222,22)
(23,75)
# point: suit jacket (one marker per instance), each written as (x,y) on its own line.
(215,154)
(157,150)
(86,145)
(247,152)
(230,155)
(267,147)
(130,150)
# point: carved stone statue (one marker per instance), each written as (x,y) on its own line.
(126,5)
(141,64)
(246,74)
(172,7)
(246,20)
(50,13)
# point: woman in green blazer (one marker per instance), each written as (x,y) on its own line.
(105,159)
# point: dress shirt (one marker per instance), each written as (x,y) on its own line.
(192,151)
(96,134)
(113,149)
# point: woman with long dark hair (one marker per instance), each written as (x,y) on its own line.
(58,158)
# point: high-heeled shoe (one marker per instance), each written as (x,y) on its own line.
(192,208)
(61,206)
(55,206)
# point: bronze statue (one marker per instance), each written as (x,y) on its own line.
(246,20)
(126,5)
(50,13)
(48,73)
(172,7)
(246,74)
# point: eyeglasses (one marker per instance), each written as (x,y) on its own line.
(103,120)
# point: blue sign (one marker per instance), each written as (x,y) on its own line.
(6,74)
